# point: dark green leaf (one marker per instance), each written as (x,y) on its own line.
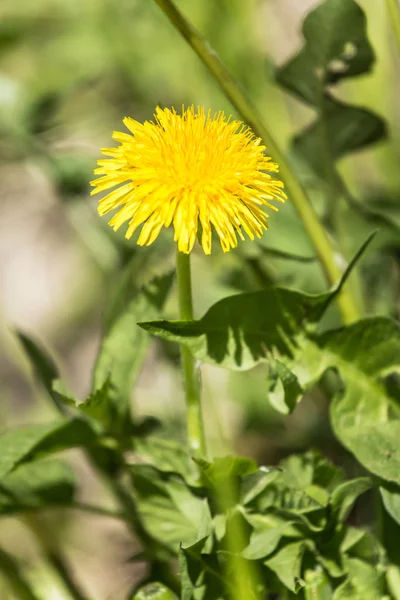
(201,575)
(44,368)
(336,46)
(286,389)
(240,331)
(36,485)
(27,443)
(125,344)
(341,129)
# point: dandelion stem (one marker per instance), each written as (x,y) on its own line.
(393,8)
(328,257)
(191,379)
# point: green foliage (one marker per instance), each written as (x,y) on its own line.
(225,527)
(336,47)
(124,345)
(40,484)
(154,591)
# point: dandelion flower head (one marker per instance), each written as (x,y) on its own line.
(193,170)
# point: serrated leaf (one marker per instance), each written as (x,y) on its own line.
(124,347)
(28,443)
(41,484)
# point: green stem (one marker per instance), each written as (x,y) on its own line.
(190,373)
(9,567)
(394,14)
(238,98)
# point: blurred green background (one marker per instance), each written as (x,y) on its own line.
(69,72)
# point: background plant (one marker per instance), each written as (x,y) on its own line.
(305,528)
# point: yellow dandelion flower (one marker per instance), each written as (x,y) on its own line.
(188,170)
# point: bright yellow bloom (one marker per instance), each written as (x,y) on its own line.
(185,170)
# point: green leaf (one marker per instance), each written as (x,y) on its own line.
(242,330)
(286,389)
(264,541)
(342,129)
(169,509)
(360,412)
(346,494)
(28,443)
(166,456)
(364,581)
(286,564)
(252,485)
(124,346)
(391,499)
(301,471)
(37,485)
(336,47)
(317,586)
(201,575)
(154,591)
(238,331)
(44,368)
(100,408)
